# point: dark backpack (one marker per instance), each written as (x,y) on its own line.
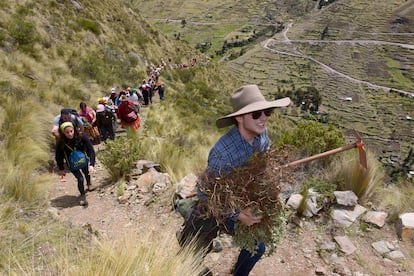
(72,112)
(106,117)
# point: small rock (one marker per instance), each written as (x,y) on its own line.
(188,183)
(381,247)
(129,224)
(320,270)
(217,246)
(328,246)
(345,244)
(123,199)
(131,187)
(376,218)
(294,201)
(405,226)
(345,218)
(395,255)
(53,211)
(346,198)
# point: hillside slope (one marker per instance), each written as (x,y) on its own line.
(363,57)
(377,47)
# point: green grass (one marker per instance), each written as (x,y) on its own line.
(397,76)
(54,56)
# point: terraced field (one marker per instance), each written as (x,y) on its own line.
(374,59)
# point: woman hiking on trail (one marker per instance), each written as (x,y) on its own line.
(128,114)
(88,116)
(79,154)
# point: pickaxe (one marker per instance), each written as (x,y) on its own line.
(358,144)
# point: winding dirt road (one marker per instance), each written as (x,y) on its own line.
(330,70)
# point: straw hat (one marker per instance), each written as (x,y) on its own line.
(247,99)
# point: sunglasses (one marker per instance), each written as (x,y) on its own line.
(256,114)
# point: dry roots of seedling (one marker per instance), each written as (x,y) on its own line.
(256,185)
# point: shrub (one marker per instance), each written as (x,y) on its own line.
(312,137)
(185,75)
(119,156)
(89,25)
(23,32)
(141,39)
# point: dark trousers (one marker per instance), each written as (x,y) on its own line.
(107,131)
(79,177)
(146,96)
(199,231)
(206,229)
(246,261)
(161,93)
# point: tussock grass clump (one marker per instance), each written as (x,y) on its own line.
(89,25)
(347,174)
(152,253)
(256,186)
(23,152)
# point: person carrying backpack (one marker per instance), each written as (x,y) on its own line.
(105,122)
(128,114)
(160,88)
(88,116)
(77,151)
(66,115)
(145,90)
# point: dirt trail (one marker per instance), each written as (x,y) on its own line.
(297,254)
(102,213)
(295,53)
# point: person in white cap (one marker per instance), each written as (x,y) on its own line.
(248,135)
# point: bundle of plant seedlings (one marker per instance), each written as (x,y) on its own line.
(256,186)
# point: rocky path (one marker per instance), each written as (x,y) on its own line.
(307,249)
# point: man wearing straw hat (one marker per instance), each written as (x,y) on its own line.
(247,136)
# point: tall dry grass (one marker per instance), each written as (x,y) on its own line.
(396,198)
(180,145)
(153,253)
(24,151)
(347,174)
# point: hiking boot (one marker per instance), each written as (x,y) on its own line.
(83,201)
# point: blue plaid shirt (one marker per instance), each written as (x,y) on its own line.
(232,151)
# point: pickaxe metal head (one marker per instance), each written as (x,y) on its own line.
(361,150)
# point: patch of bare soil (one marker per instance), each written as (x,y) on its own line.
(299,253)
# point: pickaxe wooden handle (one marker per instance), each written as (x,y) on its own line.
(358,144)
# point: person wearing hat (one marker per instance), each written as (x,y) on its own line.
(105,121)
(70,141)
(128,114)
(248,135)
